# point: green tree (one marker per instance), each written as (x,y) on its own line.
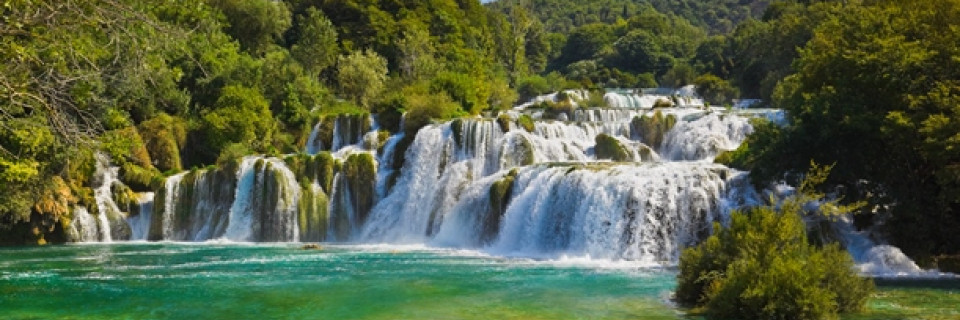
(256,24)
(762,266)
(876,92)
(715,90)
(316,47)
(361,75)
(241,115)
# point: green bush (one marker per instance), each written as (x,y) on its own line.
(532,86)
(762,267)
(425,108)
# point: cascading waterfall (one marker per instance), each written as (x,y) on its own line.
(493,184)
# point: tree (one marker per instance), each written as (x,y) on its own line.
(762,266)
(875,91)
(361,75)
(256,24)
(641,51)
(715,90)
(241,115)
(316,49)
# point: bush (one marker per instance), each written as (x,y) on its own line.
(425,108)
(762,267)
(532,86)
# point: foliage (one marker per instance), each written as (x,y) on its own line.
(241,115)
(761,266)
(316,47)
(714,90)
(875,91)
(361,75)
(256,24)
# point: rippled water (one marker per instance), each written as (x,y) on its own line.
(282,281)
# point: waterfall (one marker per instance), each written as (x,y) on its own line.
(83,226)
(103,195)
(140,223)
(265,202)
(172,188)
(624,182)
(337,132)
(702,138)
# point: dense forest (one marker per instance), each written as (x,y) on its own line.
(165,86)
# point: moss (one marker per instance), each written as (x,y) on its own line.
(499,197)
(504,121)
(163,137)
(652,129)
(646,154)
(312,214)
(361,172)
(382,137)
(663,103)
(739,158)
(321,168)
(526,123)
(138,178)
(559,111)
(610,148)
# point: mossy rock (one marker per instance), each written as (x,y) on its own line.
(313,214)
(652,129)
(663,103)
(360,169)
(526,123)
(499,196)
(610,148)
(382,137)
(504,121)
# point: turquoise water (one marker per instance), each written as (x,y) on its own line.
(282,281)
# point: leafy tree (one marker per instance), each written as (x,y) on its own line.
(361,76)
(256,24)
(762,266)
(876,92)
(316,48)
(241,115)
(715,90)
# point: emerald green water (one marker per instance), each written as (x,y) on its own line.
(231,281)
(282,281)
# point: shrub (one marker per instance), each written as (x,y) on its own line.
(526,122)
(532,86)
(762,267)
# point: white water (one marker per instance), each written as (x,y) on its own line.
(104,196)
(251,218)
(140,223)
(564,203)
(172,186)
(84,225)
